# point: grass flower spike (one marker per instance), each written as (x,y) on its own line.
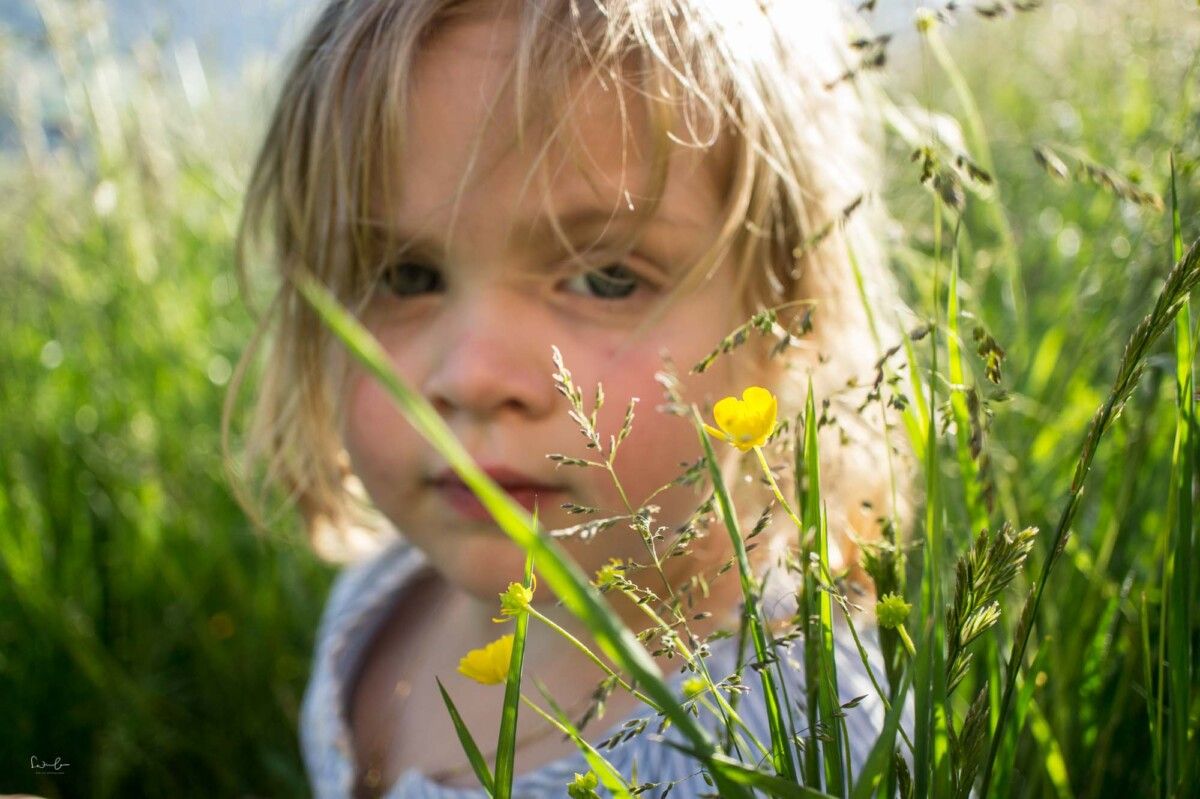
(747,422)
(515,600)
(488,666)
(610,574)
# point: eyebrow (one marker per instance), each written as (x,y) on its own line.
(592,217)
(539,230)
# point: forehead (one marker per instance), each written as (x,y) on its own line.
(463,163)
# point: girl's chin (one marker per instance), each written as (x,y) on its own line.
(482,571)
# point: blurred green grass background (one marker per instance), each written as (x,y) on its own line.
(147,635)
(154,641)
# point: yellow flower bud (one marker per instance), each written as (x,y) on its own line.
(583,786)
(693,687)
(891,611)
(925,20)
(515,600)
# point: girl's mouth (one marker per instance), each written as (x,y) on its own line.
(466,504)
(524,488)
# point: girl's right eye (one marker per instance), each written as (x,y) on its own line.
(409,278)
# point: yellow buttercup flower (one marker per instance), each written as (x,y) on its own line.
(488,666)
(515,600)
(747,422)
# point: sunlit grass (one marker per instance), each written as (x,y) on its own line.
(161,647)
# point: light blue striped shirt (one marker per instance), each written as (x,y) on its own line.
(364,593)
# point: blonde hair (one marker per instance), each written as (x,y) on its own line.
(759,79)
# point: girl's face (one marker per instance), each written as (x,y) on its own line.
(469,313)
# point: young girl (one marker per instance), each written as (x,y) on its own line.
(625,181)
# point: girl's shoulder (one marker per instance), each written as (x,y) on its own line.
(363,591)
(358,601)
(361,584)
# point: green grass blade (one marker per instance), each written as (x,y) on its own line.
(781,750)
(781,787)
(916,415)
(506,748)
(836,752)
(1021,705)
(977,131)
(741,774)
(864,658)
(1180,281)
(478,764)
(1180,569)
(930,602)
(1053,762)
(879,760)
(1153,709)
(606,772)
(923,732)
(560,572)
(968,467)
(808,490)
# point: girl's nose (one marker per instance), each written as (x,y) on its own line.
(491,356)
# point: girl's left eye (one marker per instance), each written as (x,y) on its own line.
(614,281)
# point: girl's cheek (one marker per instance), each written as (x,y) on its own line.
(373,425)
(656,449)
(361,404)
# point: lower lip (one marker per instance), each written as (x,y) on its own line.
(464,501)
